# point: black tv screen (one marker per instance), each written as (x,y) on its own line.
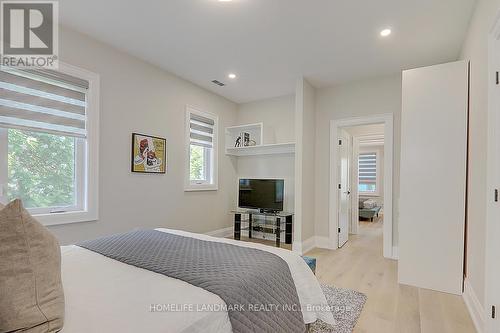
(264,194)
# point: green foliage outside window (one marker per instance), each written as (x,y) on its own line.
(41,169)
(196,161)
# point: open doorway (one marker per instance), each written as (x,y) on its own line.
(367,180)
(361,179)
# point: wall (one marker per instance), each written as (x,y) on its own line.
(305,128)
(139,97)
(277,114)
(363,98)
(475,49)
(363,130)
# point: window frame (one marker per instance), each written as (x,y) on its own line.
(86,162)
(376,193)
(211,169)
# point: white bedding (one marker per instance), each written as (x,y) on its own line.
(105,295)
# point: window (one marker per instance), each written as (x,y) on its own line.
(367,172)
(47,142)
(201,135)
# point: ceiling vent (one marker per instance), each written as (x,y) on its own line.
(217,82)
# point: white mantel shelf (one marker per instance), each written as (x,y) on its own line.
(271,149)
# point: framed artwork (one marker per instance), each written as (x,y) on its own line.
(149,154)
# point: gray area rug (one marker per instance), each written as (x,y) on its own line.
(346,308)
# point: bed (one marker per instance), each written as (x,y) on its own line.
(106,295)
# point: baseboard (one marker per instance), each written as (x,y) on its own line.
(475,308)
(297,247)
(225,232)
(313,242)
(395,253)
(308,244)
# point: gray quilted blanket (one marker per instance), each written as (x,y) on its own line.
(256,286)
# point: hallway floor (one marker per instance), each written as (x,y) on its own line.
(359,265)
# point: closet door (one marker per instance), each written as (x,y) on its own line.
(433,177)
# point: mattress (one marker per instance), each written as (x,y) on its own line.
(105,295)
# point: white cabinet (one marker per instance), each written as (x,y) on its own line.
(433,177)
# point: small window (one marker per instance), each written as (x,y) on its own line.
(47,143)
(201,134)
(367,171)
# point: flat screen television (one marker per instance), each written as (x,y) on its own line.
(263,194)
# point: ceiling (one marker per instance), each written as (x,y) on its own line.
(270,43)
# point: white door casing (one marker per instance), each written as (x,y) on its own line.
(433,177)
(336,126)
(354,187)
(3,165)
(344,188)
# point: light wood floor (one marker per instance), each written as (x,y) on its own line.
(359,265)
(390,308)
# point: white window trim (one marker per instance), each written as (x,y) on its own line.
(190,186)
(88,185)
(3,164)
(376,151)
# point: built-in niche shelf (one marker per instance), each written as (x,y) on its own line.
(277,148)
(256,135)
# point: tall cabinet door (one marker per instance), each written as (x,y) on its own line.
(433,177)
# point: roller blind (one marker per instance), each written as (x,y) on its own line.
(43,100)
(201,130)
(367,168)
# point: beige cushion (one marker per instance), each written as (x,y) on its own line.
(31,294)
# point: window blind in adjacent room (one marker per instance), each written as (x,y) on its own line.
(43,100)
(367,168)
(201,130)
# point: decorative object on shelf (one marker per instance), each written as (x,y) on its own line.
(238,142)
(243,140)
(149,154)
(252,143)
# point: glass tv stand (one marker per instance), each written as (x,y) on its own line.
(265,222)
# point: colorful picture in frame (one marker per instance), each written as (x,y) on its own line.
(149,154)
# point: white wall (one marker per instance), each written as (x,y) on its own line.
(475,49)
(368,97)
(363,130)
(305,129)
(277,114)
(139,97)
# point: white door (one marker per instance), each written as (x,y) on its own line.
(493,226)
(344,188)
(433,177)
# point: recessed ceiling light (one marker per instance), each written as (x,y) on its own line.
(385,32)
(232,76)
(224,0)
